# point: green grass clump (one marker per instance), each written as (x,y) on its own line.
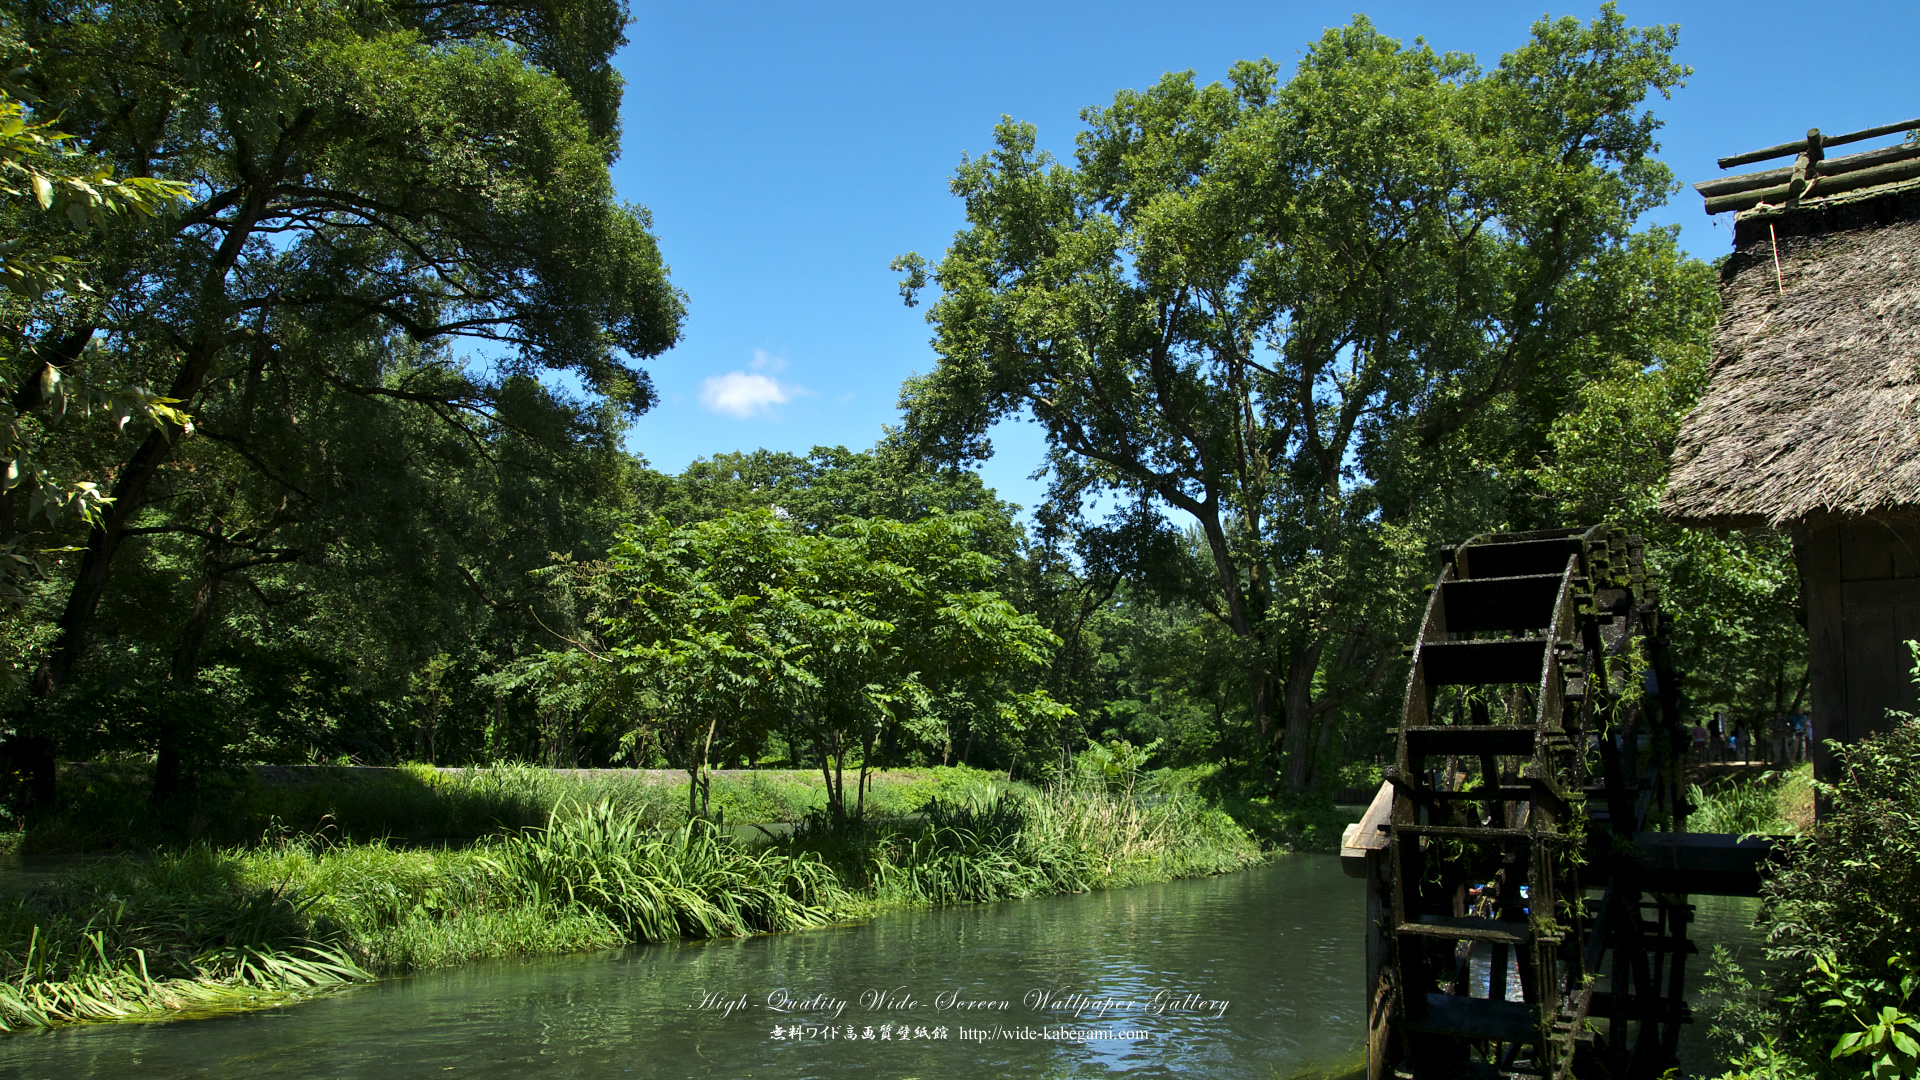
(206,928)
(654,886)
(999,843)
(1778,803)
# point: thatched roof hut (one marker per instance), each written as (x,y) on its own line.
(1811,416)
(1813,404)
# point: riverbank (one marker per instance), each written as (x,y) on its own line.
(1280,943)
(239,927)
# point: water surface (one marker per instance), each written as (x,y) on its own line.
(1256,974)
(1247,975)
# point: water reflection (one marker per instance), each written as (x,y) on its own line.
(1280,945)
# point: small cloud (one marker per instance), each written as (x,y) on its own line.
(766,361)
(743,394)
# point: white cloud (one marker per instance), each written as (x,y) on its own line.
(766,361)
(743,394)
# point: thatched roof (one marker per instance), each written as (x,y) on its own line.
(1812,405)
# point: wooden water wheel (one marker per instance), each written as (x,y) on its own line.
(1514,933)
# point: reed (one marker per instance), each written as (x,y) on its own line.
(1778,803)
(204,929)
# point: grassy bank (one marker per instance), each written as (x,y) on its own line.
(105,807)
(219,928)
(1776,804)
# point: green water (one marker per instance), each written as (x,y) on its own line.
(1256,974)
(1246,975)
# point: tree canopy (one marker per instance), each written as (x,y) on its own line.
(1306,314)
(399,220)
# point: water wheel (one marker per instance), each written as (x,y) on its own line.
(1538,742)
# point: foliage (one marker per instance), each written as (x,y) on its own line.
(1734,600)
(854,642)
(42,170)
(1843,929)
(1326,319)
(1774,804)
(399,222)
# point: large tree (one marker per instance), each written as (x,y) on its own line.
(372,185)
(1271,306)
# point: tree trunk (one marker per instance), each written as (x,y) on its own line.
(1301,668)
(75,625)
(173,779)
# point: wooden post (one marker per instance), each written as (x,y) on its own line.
(1816,548)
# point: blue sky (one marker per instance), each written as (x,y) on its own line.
(789,150)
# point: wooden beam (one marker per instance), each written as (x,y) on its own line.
(1825,185)
(1816,548)
(1783,149)
(1830,167)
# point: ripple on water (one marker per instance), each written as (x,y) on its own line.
(1279,944)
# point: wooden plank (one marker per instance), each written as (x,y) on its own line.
(1825,185)
(1465,740)
(1467,928)
(1878,663)
(1710,864)
(1483,663)
(1866,550)
(1473,1018)
(1886,593)
(1366,836)
(1905,546)
(1519,558)
(1480,833)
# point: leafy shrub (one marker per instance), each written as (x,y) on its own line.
(1842,916)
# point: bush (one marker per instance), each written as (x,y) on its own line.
(1842,917)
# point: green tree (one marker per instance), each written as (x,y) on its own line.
(708,633)
(1740,643)
(374,187)
(912,649)
(44,174)
(1283,309)
(871,641)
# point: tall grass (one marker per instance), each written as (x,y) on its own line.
(1062,839)
(654,886)
(1777,803)
(205,928)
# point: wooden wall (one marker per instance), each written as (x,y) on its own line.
(1861,582)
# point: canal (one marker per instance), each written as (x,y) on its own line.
(1253,975)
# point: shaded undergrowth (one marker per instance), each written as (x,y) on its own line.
(219,928)
(106,807)
(1775,803)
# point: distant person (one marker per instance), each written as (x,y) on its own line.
(1719,738)
(1701,741)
